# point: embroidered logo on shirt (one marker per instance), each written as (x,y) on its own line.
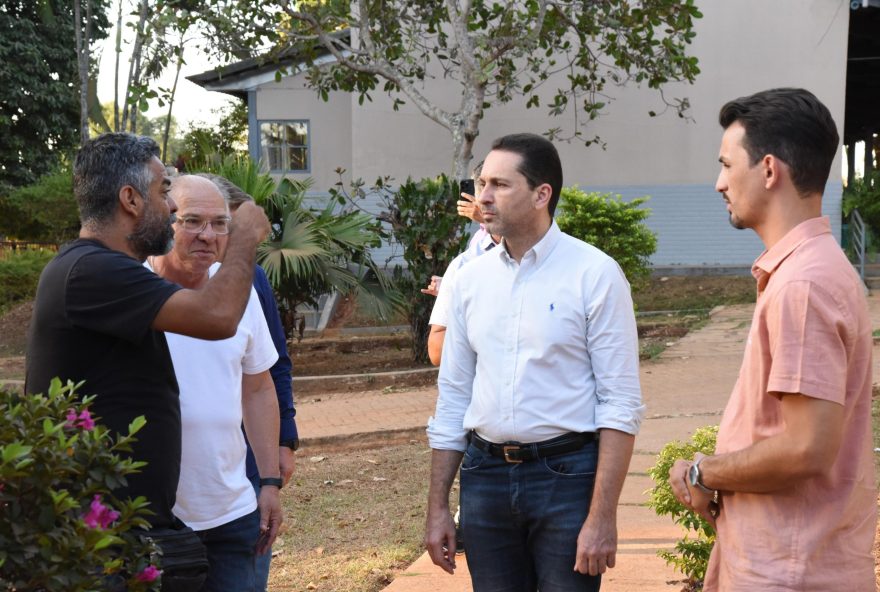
(551,307)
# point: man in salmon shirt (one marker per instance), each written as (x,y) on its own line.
(790,487)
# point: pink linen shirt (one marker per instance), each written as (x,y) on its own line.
(810,334)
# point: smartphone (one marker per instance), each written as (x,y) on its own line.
(466,186)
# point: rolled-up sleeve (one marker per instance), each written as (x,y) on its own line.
(613,345)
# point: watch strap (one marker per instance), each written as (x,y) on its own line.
(698,481)
(293,444)
(276,481)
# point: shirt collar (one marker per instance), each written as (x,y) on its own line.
(486,243)
(541,249)
(773,257)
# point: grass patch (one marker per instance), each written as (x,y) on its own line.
(658,331)
(680,293)
(354,518)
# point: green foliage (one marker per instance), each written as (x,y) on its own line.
(422,218)
(39,86)
(61,528)
(612,225)
(19,274)
(42,212)
(561,56)
(691,556)
(864,195)
(310,252)
(205,147)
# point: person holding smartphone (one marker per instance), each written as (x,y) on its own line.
(441,287)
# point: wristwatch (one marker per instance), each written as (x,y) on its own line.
(292,444)
(273,481)
(695,480)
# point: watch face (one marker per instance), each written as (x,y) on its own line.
(693,475)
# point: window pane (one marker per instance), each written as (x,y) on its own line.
(272,154)
(298,159)
(297,134)
(284,145)
(271,134)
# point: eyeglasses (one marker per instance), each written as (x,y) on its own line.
(196,225)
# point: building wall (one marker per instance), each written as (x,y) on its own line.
(329,125)
(743,47)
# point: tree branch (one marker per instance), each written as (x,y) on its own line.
(377,67)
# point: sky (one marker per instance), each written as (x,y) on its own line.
(192,103)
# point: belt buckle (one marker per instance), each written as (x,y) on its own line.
(507,449)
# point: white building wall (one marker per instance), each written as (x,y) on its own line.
(743,46)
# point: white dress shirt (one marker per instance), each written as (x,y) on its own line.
(539,348)
(479,245)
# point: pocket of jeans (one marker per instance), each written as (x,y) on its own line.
(473,458)
(573,464)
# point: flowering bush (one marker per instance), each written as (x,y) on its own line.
(61,528)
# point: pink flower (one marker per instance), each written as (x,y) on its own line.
(148,574)
(99,515)
(85,420)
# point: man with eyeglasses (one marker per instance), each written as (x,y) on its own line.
(100,316)
(221,384)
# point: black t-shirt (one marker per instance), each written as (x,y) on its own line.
(92,321)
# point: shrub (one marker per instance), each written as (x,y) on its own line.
(691,555)
(864,195)
(612,225)
(61,528)
(309,252)
(20,273)
(423,220)
(43,212)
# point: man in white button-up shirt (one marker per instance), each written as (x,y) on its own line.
(540,365)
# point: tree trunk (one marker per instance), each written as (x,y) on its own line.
(171,100)
(850,163)
(869,156)
(82,60)
(129,113)
(116,127)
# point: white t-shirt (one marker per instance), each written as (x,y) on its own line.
(214,488)
(480,243)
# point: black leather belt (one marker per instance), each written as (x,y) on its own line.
(517,452)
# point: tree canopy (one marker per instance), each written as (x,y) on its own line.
(39,93)
(560,55)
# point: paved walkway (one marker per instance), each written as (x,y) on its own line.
(685,388)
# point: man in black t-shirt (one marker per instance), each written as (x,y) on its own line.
(99,315)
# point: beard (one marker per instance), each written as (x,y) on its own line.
(153,235)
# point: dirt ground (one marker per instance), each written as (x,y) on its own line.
(378,481)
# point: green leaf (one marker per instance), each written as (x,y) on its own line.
(136,424)
(14,451)
(106,541)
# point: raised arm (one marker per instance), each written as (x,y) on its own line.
(213,312)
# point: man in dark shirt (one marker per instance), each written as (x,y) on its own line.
(99,315)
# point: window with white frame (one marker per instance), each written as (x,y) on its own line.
(284,145)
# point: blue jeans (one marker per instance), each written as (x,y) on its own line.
(261,562)
(231,554)
(520,522)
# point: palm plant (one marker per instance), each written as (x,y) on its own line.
(310,253)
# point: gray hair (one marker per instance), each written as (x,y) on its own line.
(232,193)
